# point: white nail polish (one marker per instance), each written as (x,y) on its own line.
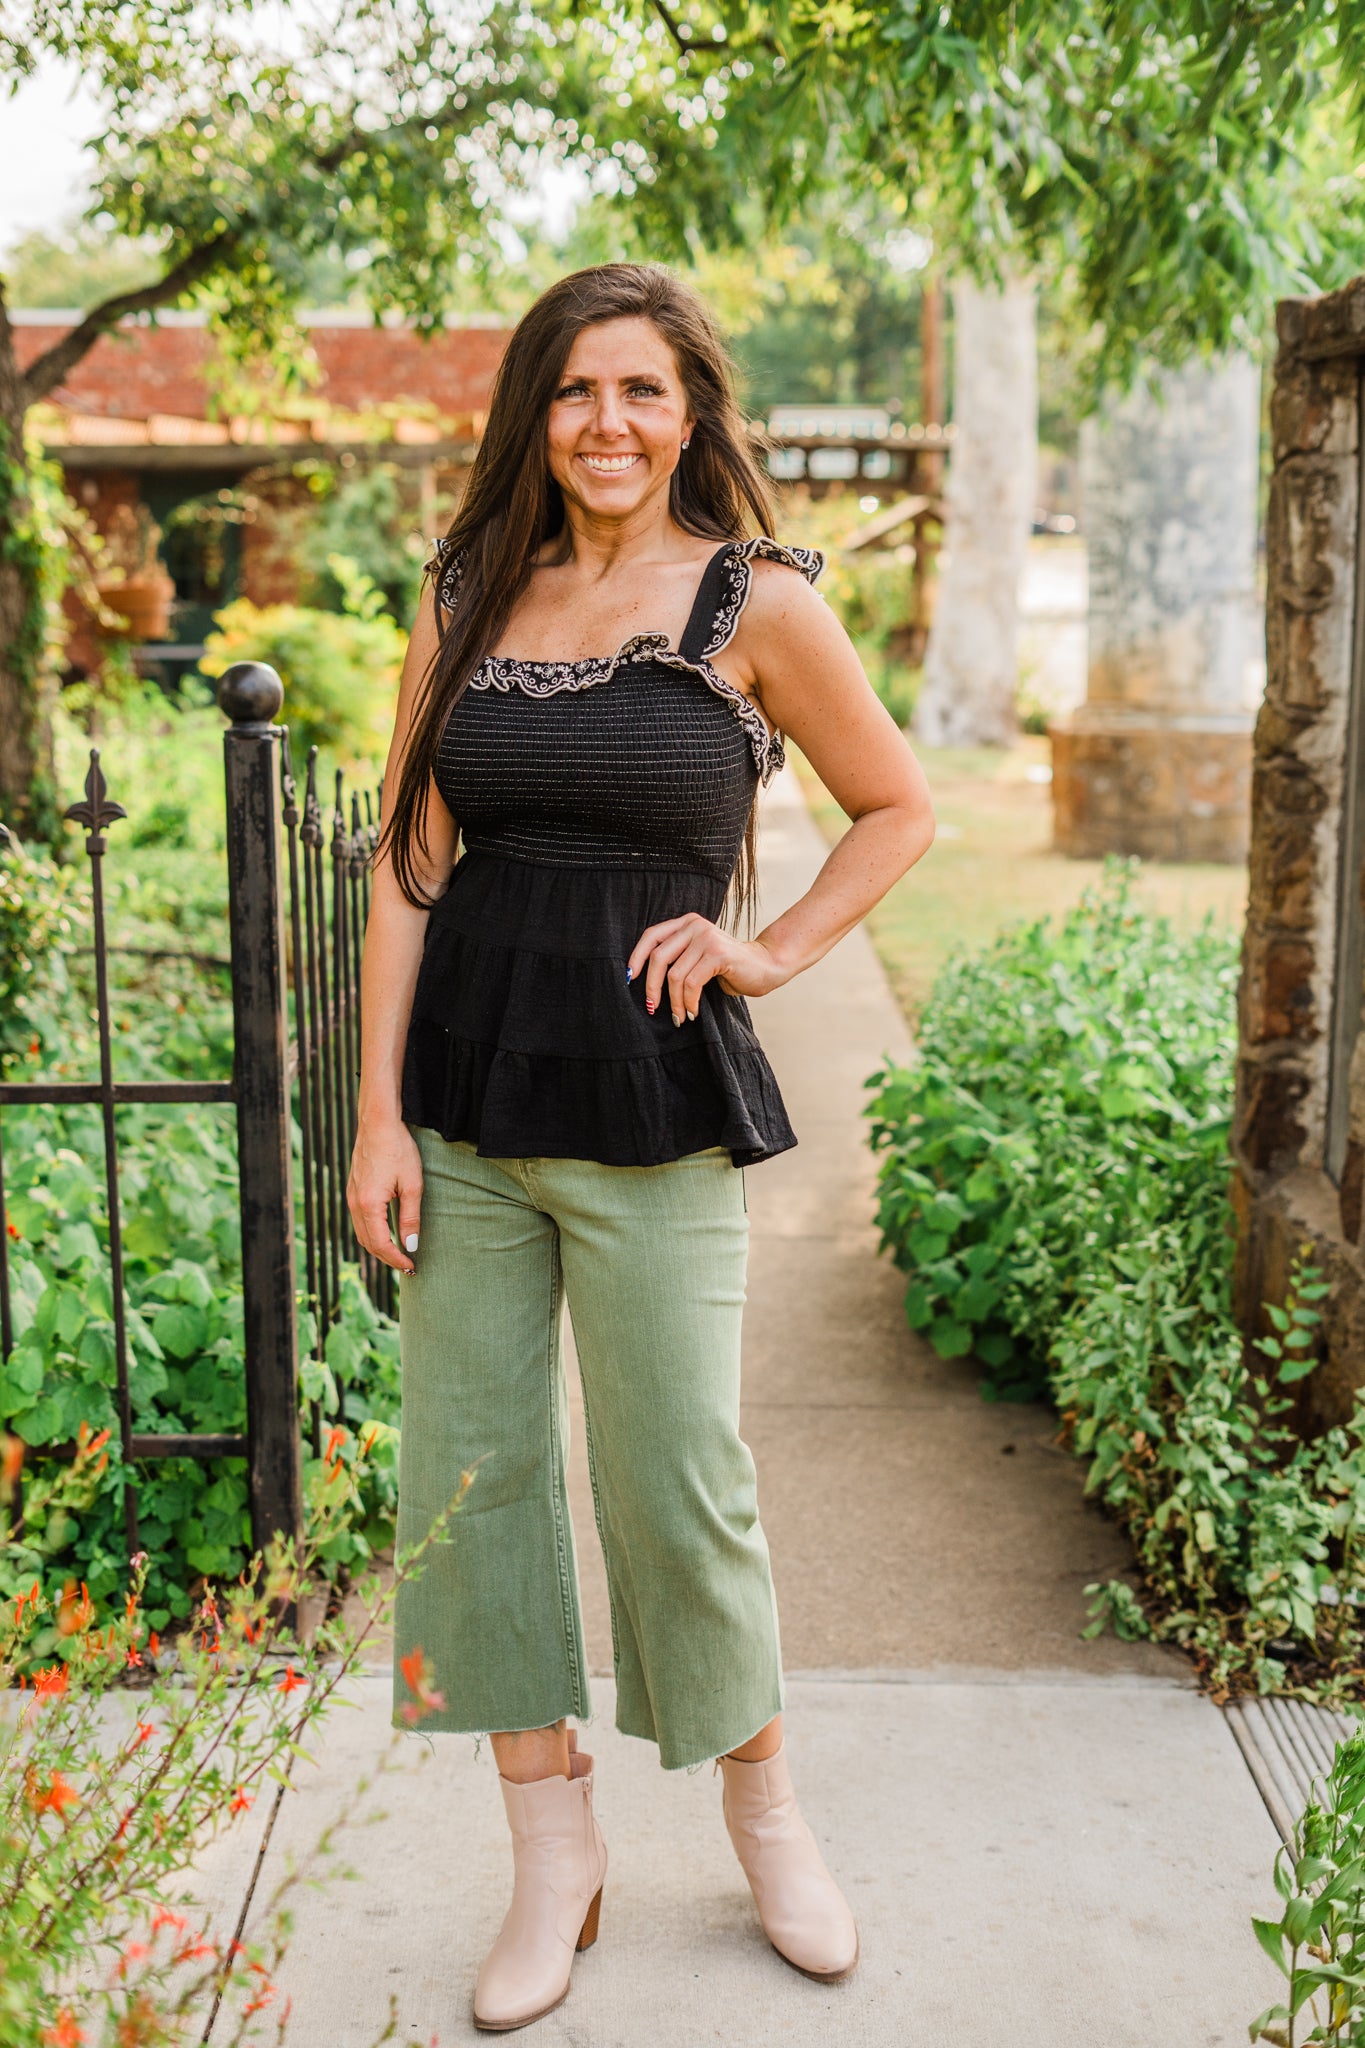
(410,1241)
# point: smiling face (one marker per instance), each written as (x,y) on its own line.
(617,419)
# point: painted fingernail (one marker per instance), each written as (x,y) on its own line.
(691,1016)
(410,1241)
(629,977)
(651,1007)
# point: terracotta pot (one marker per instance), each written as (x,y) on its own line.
(143,601)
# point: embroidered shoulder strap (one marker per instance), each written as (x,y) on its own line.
(725,588)
(445,566)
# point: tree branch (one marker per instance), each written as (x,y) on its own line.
(683,46)
(48,369)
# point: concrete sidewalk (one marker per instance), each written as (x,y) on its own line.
(1047,1841)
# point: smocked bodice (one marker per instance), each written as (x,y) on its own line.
(594,797)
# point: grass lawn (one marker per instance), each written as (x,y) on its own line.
(992,864)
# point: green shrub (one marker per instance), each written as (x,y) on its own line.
(42,908)
(366,517)
(1054,1181)
(1072,1092)
(339,669)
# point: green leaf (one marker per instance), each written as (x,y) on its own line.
(919,1305)
(70,1316)
(194,1288)
(76,1243)
(179,1329)
(974,1302)
(1117,1103)
(949,1338)
(24,1370)
(1271,1937)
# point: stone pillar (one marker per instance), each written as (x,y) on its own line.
(1157,761)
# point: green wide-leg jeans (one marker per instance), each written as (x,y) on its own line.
(652,1260)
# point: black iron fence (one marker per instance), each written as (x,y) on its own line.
(298,898)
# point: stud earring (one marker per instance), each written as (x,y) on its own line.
(688,442)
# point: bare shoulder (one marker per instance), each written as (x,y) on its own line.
(783,603)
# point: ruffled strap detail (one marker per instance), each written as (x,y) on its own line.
(737,579)
(445,566)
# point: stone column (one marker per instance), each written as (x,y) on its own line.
(1157,761)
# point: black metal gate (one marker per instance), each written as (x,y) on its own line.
(286,875)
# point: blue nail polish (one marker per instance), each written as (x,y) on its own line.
(629,977)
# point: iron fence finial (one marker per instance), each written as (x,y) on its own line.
(98,810)
(250,693)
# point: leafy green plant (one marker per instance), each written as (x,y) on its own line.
(1071,1093)
(122,1755)
(1054,1182)
(1318,1942)
(339,669)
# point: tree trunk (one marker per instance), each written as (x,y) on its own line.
(970,668)
(27,780)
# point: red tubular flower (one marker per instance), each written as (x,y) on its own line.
(335,1439)
(418,1676)
(134,1654)
(164,1917)
(291,1682)
(55,1798)
(75,1612)
(145,1732)
(64,2033)
(12,1228)
(154,1643)
(51,1682)
(241,1801)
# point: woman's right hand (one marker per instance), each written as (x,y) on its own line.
(386,1166)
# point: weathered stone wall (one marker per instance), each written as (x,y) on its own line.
(1284,1196)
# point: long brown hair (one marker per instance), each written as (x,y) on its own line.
(512,504)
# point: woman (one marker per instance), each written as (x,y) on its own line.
(561,1086)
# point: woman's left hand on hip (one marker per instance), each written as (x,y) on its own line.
(687,952)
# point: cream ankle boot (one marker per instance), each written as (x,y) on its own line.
(560,1861)
(803,1911)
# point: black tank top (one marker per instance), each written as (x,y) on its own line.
(594,798)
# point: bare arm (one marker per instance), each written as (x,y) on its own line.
(795,658)
(385,1164)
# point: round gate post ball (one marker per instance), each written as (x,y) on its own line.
(250,693)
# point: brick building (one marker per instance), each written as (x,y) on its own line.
(141,424)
